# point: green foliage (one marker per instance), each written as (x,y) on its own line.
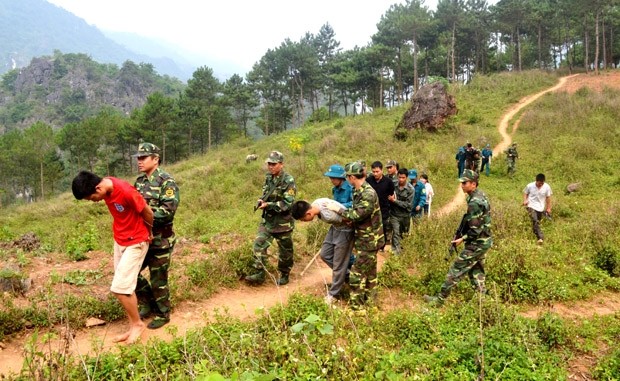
(608,260)
(84,239)
(551,330)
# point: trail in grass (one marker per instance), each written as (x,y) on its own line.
(241,302)
(459,198)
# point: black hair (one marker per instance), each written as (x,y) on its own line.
(403,171)
(540,177)
(376,164)
(424,176)
(84,184)
(299,208)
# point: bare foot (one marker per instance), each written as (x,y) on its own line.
(134,333)
(119,338)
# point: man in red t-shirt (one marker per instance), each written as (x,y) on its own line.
(132,227)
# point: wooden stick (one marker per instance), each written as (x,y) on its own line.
(310,263)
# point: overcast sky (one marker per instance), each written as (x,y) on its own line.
(237,31)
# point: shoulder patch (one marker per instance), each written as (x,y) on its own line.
(169,192)
(291,191)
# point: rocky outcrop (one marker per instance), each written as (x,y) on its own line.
(430,107)
(54,88)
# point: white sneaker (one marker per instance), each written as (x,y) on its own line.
(329,300)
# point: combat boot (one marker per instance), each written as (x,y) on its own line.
(158,322)
(256,278)
(434,301)
(283,280)
(144,310)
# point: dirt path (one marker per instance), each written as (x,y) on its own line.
(459,198)
(242,302)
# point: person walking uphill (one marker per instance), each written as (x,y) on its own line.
(477,239)
(162,195)
(365,214)
(400,210)
(537,200)
(277,222)
(132,223)
(487,154)
(511,159)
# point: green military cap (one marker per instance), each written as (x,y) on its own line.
(354,168)
(468,175)
(275,157)
(147,149)
(390,163)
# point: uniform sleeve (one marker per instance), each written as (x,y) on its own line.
(407,201)
(422,197)
(349,196)
(169,199)
(363,209)
(289,191)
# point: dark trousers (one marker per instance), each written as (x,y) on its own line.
(336,253)
(536,217)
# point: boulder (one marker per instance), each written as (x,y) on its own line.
(430,107)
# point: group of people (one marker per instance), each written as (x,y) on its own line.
(143,216)
(364,211)
(469,157)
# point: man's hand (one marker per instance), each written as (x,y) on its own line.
(458,241)
(261,204)
(391,198)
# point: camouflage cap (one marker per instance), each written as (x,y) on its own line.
(468,175)
(275,157)
(147,149)
(413,174)
(354,168)
(335,171)
(514,143)
(390,163)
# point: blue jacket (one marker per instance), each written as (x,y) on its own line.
(343,194)
(419,198)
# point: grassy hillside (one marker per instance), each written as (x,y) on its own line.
(571,138)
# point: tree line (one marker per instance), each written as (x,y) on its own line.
(313,79)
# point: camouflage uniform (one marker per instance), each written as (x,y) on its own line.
(162,195)
(511,158)
(477,240)
(277,222)
(365,214)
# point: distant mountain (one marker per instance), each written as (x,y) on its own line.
(34,28)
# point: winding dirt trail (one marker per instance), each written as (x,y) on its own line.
(459,198)
(242,302)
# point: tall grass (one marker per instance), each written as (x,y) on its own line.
(570,138)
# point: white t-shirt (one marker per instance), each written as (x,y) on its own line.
(327,215)
(536,198)
(429,193)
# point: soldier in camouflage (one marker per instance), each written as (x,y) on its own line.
(162,195)
(365,214)
(477,239)
(277,222)
(511,159)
